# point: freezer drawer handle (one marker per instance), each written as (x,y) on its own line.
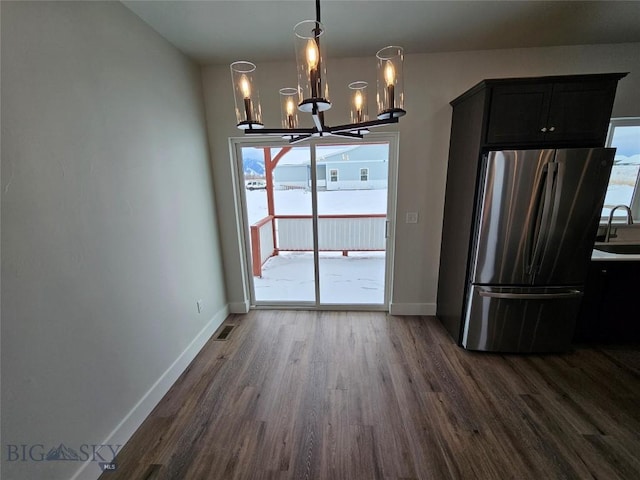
(531,296)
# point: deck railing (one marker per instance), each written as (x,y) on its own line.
(338,233)
(262,243)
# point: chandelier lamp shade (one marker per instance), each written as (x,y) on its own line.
(390,85)
(245,92)
(312,92)
(358,109)
(289,107)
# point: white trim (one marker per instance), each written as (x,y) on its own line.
(141,410)
(240,307)
(412,309)
(242,226)
(393,139)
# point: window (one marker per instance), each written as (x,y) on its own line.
(333,175)
(364,174)
(623,189)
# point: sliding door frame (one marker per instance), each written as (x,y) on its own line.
(236,145)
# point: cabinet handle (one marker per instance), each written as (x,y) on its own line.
(552,129)
(543,129)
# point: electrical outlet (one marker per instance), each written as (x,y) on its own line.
(411,217)
(200,306)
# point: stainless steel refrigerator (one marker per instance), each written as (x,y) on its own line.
(535,223)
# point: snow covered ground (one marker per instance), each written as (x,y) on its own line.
(356,279)
(288,277)
(622,183)
(298,202)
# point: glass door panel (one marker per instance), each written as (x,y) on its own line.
(352,181)
(279,214)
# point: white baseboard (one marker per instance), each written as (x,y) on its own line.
(129,424)
(239,307)
(412,309)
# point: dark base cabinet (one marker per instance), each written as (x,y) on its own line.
(610,311)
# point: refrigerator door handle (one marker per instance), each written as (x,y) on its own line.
(535,220)
(543,217)
(531,296)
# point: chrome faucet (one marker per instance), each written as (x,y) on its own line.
(629,220)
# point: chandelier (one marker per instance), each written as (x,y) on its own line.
(312,92)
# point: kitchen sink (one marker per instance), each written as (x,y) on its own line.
(623,239)
(613,247)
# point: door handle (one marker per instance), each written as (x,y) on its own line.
(545,218)
(531,296)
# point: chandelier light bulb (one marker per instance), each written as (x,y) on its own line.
(389,74)
(312,54)
(245,87)
(290,107)
(358,100)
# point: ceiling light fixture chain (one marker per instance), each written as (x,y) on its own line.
(312,91)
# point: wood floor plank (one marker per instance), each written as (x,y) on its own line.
(366,395)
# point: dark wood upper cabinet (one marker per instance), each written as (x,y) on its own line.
(518,113)
(563,111)
(581,111)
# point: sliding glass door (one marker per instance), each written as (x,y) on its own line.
(317,222)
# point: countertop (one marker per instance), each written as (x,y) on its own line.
(599,256)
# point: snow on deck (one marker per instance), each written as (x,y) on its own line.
(356,279)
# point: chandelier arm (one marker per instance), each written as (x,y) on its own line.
(362,125)
(318,119)
(299,139)
(338,129)
(281,131)
(348,134)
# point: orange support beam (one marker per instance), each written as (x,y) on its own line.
(256,257)
(269,166)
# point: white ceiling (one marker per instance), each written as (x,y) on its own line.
(221,31)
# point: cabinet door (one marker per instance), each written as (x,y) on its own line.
(593,304)
(518,113)
(580,112)
(609,308)
(618,322)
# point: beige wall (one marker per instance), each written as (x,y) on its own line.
(431,82)
(109,231)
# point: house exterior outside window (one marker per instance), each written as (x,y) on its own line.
(624,182)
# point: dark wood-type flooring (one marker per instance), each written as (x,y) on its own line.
(355,395)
